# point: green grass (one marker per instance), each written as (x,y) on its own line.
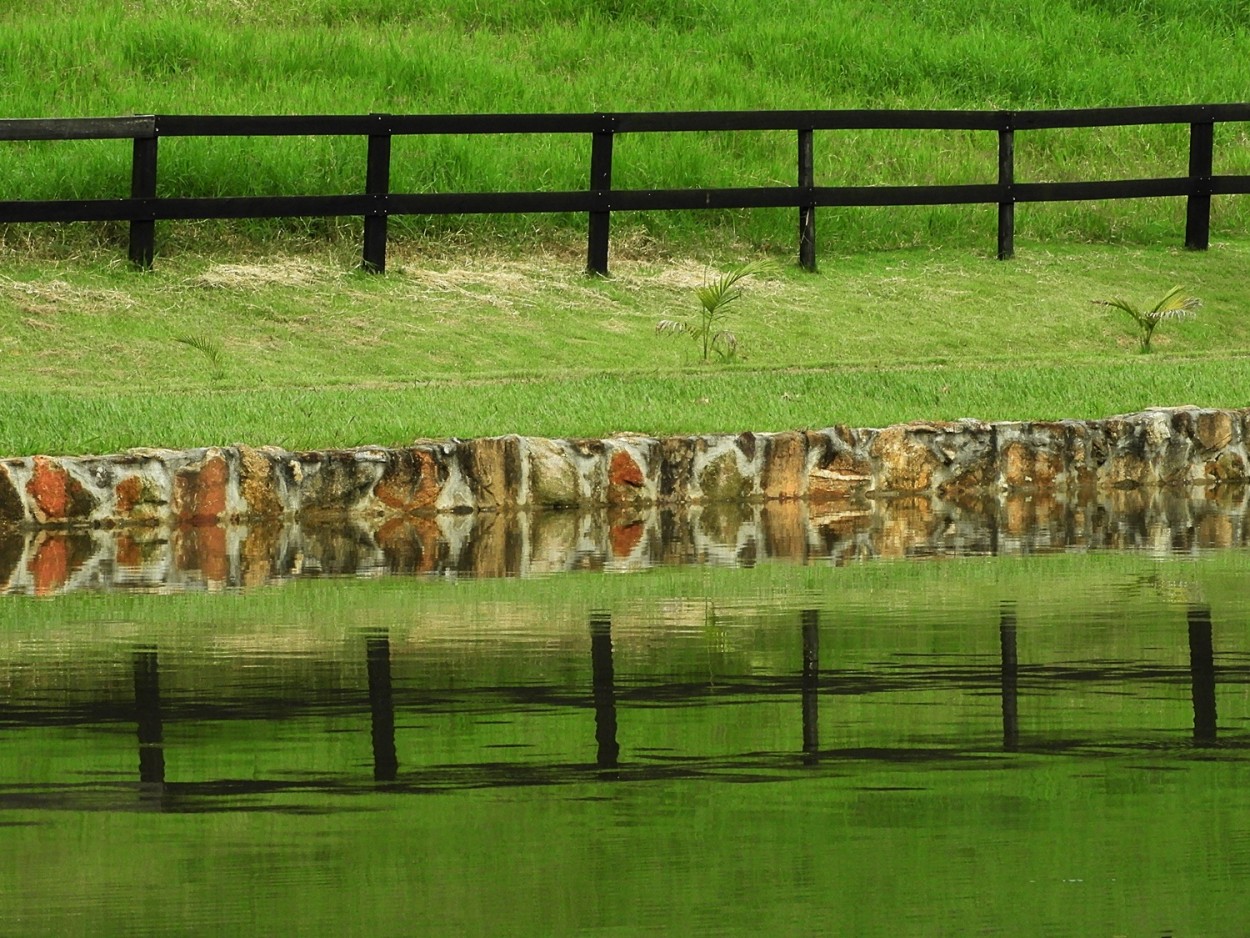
(304,352)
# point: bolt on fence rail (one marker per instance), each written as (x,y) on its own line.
(144,208)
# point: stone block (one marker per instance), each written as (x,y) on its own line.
(784,473)
(904,459)
(838,466)
(1216,430)
(411,481)
(492,467)
(199,491)
(56,496)
(12,507)
(628,482)
(555,479)
(676,469)
(719,473)
(333,483)
(261,483)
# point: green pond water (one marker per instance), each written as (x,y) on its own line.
(1030,745)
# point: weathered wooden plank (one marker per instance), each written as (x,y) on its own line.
(485,203)
(1230,185)
(1110,116)
(285,206)
(77,128)
(1109,189)
(277,125)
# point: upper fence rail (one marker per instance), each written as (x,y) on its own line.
(376,202)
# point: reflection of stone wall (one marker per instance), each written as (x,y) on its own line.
(517,543)
(962,462)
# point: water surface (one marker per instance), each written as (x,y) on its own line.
(1034,743)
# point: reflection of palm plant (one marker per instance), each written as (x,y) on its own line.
(713,298)
(1174,305)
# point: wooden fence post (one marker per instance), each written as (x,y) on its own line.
(1006,205)
(1198,206)
(807,213)
(377,184)
(143,186)
(600,184)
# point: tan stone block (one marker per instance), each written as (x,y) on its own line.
(1228,466)
(784,472)
(492,467)
(905,462)
(676,469)
(554,477)
(721,479)
(1214,429)
(259,484)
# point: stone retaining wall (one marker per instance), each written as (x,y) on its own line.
(963,462)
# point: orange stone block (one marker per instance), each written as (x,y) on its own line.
(200,492)
(57,495)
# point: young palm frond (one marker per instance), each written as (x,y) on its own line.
(713,298)
(1174,305)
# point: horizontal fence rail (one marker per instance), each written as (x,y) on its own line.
(376,203)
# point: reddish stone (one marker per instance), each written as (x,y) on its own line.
(410,483)
(200,492)
(624,470)
(57,495)
(128,492)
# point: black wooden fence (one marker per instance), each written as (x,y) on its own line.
(599,200)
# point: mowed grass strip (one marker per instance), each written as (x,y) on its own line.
(305,352)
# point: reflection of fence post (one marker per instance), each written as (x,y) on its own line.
(148,717)
(603,682)
(811,685)
(381,708)
(1010,676)
(1202,672)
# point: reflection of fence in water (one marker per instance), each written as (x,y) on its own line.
(610,701)
(507,544)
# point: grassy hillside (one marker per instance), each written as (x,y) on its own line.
(73,58)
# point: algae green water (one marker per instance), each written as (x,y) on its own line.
(1031,745)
